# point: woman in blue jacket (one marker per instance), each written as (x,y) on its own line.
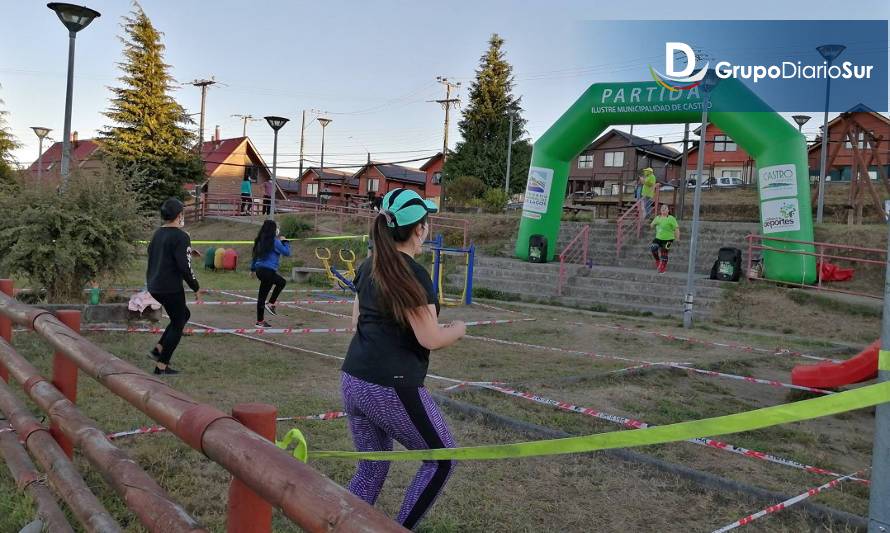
(268,247)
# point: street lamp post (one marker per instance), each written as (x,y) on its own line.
(75,18)
(829,52)
(276,123)
(41,134)
(801,120)
(707,85)
(324,124)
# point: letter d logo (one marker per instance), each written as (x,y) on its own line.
(670,49)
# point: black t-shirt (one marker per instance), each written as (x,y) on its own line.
(170,261)
(382,351)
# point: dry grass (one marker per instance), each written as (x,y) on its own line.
(571,493)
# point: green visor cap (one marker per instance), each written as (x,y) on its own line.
(406,207)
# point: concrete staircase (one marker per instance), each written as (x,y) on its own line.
(635,252)
(603,288)
(625,282)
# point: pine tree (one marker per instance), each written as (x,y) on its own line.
(485,126)
(149,142)
(7,145)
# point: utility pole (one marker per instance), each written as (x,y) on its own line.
(509,153)
(682,181)
(446,105)
(879,491)
(203,84)
(707,85)
(302,133)
(245,119)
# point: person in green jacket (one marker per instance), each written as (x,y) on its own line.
(667,230)
(647,189)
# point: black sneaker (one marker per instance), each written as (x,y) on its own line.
(167,371)
(155,354)
(263,324)
(271,309)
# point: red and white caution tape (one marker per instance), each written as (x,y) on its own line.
(733,345)
(330,415)
(637,424)
(292,306)
(772,509)
(710,373)
(145,430)
(253,302)
(264,331)
(214,331)
(327,355)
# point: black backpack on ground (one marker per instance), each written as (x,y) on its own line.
(728,266)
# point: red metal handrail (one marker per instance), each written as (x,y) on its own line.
(574,252)
(635,215)
(821,256)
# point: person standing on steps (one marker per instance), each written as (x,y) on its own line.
(246,194)
(395,314)
(667,230)
(267,197)
(647,189)
(169,264)
(268,247)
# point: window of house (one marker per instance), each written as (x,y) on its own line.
(373,184)
(585,161)
(251,173)
(731,173)
(614,159)
(860,143)
(311,189)
(437,178)
(722,143)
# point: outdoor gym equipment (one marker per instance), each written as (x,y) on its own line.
(439,251)
(341,280)
(778,149)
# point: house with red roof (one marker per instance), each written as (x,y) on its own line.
(227,162)
(83,158)
(723,157)
(867,128)
(336,187)
(433,168)
(376,179)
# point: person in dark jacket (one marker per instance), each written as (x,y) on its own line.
(169,264)
(268,247)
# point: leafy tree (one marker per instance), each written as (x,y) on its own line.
(485,126)
(7,145)
(465,188)
(149,143)
(63,241)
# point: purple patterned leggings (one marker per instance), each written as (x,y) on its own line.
(379,414)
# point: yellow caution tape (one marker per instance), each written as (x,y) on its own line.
(748,421)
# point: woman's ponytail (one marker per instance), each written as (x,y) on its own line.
(399,291)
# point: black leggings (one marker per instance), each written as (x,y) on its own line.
(174,305)
(268,278)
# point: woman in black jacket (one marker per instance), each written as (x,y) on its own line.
(169,264)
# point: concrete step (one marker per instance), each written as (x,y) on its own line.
(598,287)
(544,293)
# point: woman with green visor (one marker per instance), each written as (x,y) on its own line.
(396,319)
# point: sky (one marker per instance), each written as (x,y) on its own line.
(371,66)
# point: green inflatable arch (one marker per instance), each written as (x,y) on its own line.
(778,149)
